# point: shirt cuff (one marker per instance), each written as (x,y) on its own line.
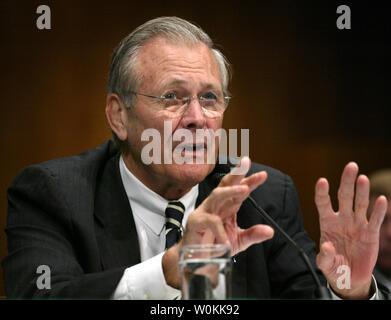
(145,281)
(373,288)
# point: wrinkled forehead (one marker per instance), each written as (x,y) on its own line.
(163,60)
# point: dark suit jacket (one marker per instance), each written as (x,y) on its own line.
(382,278)
(73,215)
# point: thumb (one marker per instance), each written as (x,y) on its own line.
(255,234)
(325,258)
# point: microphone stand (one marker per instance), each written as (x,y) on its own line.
(321,292)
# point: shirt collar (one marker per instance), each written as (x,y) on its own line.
(153,205)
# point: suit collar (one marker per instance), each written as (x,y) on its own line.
(116,230)
(148,206)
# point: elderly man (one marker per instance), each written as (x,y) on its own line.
(97,220)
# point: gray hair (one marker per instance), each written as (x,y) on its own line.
(123,74)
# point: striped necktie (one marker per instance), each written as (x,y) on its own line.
(174,215)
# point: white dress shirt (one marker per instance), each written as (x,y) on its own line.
(146,279)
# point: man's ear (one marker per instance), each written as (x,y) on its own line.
(116,114)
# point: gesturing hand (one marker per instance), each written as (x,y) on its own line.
(214,221)
(347,237)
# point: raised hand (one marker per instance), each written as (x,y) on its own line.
(214,221)
(347,237)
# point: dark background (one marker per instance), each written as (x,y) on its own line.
(314,97)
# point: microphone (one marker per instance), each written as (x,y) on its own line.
(321,292)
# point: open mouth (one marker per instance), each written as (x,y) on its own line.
(194,147)
(194,150)
(193,153)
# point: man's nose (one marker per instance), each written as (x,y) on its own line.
(193,117)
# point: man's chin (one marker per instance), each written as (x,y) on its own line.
(191,173)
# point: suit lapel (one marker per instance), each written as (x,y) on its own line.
(204,190)
(115,227)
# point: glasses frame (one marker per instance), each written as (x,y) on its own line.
(185,101)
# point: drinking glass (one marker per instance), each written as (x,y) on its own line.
(205,272)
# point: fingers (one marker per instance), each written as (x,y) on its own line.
(236,175)
(255,180)
(346,188)
(234,178)
(221,195)
(242,167)
(322,197)
(255,234)
(350,190)
(362,198)
(200,223)
(378,214)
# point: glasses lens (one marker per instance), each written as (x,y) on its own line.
(211,107)
(208,103)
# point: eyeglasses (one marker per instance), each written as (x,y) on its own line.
(211,105)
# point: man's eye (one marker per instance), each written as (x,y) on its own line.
(209,96)
(170,95)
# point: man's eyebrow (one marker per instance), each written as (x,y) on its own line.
(179,82)
(211,86)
